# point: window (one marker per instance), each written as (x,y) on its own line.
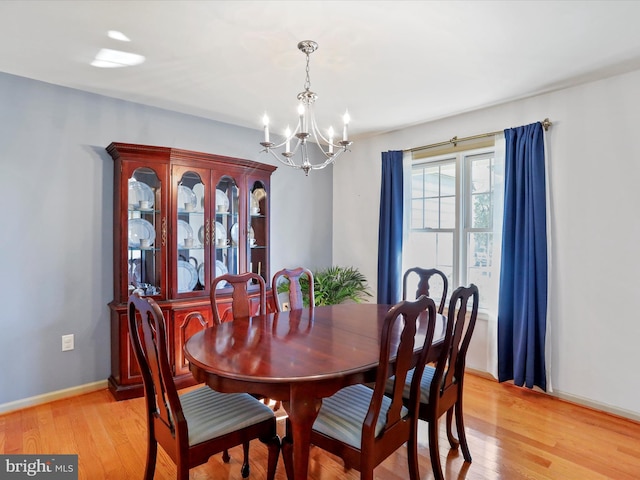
(451,221)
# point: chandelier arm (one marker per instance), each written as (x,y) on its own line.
(317,133)
(285,161)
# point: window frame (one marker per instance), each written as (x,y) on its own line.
(462,158)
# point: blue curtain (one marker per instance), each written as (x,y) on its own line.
(522,308)
(390,229)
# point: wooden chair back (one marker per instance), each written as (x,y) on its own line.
(446,387)
(424,274)
(208,411)
(241,302)
(148,335)
(296,298)
(381,436)
(460,325)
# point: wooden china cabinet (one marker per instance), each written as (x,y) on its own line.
(180,219)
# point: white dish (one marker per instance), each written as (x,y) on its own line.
(234,233)
(184,231)
(201,274)
(139,229)
(222,201)
(221,232)
(221,269)
(198,189)
(140,191)
(201,235)
(186,195)
(187,276)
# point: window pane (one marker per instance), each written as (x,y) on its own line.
(417,220)
(448,212)
(481,175)
(481,215)
(479,262)
(431,182)
(448,179)
(431,213)
(416,183)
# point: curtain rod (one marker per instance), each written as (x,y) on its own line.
(546,123)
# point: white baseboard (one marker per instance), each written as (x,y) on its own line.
(51,396)
(576,400)
(618,412)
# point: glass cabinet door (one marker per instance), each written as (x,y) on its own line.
(257,238)
(191,238)
(145,232)
(227,232)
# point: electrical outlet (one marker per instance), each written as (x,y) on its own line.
(67,342)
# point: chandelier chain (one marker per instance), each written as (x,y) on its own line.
(307,82)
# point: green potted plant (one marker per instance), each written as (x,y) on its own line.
(335,285)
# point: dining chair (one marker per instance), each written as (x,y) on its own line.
(241,304)
(294,276)
(362,425)
(193,426)
(441,386)
(424,274)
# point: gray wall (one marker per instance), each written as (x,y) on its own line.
(594,167)
(56,193)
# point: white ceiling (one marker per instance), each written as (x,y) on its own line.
(391,63)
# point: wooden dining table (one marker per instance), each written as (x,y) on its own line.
(298,357)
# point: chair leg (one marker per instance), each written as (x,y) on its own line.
(183,470)
(225,456)
(434,450)
(453,441)
(152,454)
(273,445)
(461,433)
(245,462)
(412,455)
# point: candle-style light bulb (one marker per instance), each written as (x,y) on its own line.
(301,113)
(346,119)
(265,122)
(287,134)
(330,139)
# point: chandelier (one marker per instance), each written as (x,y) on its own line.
(306,129)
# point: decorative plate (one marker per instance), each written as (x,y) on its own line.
(201,235)
(186,195)
(187,276)
(222,201)
(259,194)
(255,204)
(221,232)
(198,189)
(139,191)
(221,269)
(184,231)
(201,274)
(139,229)
(234,233)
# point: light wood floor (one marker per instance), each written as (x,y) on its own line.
(513,434)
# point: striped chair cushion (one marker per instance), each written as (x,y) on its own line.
(211,414)
(425,384)
(342,415)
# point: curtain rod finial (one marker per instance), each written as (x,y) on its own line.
(546,123)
